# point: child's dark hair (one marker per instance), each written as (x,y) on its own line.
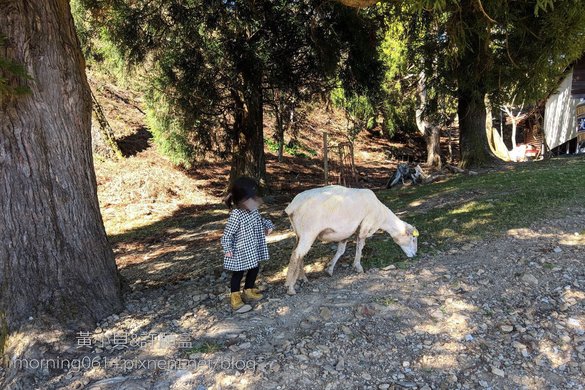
(242,188)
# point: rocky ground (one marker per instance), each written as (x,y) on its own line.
(505,313)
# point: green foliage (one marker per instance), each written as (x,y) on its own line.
(399,101)
(168,133)
(292,148)
(13,76)
(98,47)
(359,111)
(208,60)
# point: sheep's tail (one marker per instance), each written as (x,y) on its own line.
(289,209)
(289,213)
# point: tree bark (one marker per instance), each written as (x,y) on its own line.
(248,132)
(430,132)
(55,260)
(433,140)
(472,130)
(475,63)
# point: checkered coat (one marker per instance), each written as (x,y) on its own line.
(244,236)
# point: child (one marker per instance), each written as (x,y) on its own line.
(243,241)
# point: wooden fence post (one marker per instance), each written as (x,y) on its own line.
(325,160)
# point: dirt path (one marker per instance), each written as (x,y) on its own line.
(505,313)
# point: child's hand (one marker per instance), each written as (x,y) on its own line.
(268,231)
(229,254)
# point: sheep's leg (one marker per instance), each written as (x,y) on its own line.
(295,265)
(292,274)
(302,276)
(341,245)
(360,242)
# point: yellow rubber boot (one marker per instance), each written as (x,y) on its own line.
(251,294)
(236,300)
(237,304)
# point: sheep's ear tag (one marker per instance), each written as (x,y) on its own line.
(415,233)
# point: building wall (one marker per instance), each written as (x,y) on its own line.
(560,124)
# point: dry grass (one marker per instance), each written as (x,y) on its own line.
(144,189)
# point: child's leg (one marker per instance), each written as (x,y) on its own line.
(236,280)
(251,277)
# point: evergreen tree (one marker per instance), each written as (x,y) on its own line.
(499,49)
(216,63)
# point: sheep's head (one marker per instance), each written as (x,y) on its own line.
(407,240)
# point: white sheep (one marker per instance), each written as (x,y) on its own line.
(333,214)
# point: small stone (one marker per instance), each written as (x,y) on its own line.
(316,354)
(506,328)
(498,372)
(468,337)
(529,279)
(244,309)
(340,364)
(389,267)
(366,376)
(325,313)
(406,385)
(405,364)
(557,249)
(384,386)
(574,323)
(245,345)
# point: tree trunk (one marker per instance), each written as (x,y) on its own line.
(472,130)
(433,140)
(55,260)
(248,137)
(279,119)
(430,132)
(475,63)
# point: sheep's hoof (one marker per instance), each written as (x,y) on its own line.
(304,279)
(359,269)
(291,291)
(329,271)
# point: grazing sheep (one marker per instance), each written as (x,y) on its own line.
(333,214)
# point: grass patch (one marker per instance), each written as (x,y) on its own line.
(293,149)
(386,301)
(463,209)
(205,347)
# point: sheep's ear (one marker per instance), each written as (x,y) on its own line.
(412,231)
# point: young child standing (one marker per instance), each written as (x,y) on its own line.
(244,241)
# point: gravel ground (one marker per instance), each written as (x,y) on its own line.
(504,313)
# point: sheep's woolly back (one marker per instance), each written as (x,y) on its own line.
(331,194)
(336,208)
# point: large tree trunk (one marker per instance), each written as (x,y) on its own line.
(248,138)
(55,260)
(475,63)
(472,130)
